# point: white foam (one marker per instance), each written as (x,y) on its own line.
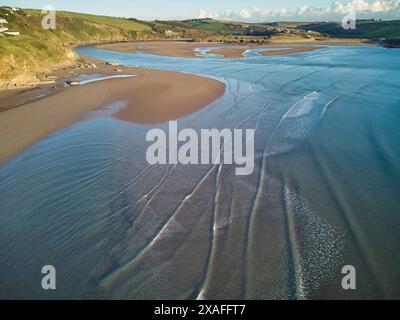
(83,82)
(302,107)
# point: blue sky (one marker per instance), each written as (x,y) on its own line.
(245,10)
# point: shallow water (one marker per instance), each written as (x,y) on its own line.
(324,192)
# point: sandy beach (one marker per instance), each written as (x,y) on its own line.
(152,96)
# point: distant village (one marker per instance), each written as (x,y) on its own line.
(254,29)
(260,29)
(4,30)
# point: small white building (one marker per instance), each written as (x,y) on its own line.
(4,21)
(12,33)
(2,29)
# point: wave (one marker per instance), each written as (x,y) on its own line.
(316,245)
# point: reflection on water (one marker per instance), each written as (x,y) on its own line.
(109,110)
(95,79)
(324,192)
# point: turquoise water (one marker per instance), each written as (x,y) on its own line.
(324,192)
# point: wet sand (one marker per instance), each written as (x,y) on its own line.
(151,97)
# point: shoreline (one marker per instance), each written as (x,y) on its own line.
(178,95)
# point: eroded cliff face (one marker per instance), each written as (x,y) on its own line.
(20,70)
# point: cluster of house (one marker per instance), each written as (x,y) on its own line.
(3,22)
(253,29)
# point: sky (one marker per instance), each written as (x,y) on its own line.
(240,10)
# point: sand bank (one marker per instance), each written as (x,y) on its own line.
(229,51)
(152,97)
(285,51)
(232,52)
(181,49)
(237,51)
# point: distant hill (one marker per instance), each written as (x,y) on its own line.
(369,29)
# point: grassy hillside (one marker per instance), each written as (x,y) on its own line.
(124,24)
(370,29)
(179,29)
(21,57)
(215,26)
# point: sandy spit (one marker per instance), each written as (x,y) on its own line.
(152,96)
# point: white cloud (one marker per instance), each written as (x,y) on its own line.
(244,13)
(302,9)
(203,14)
(386,9)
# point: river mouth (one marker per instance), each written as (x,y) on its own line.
(323,194)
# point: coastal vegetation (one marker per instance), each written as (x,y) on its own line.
(36,49)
